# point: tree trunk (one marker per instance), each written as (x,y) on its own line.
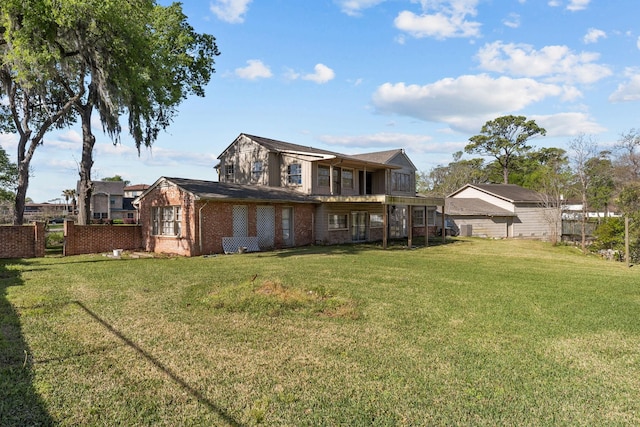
(88,141)
(21,193)
(24,160)
(505,174)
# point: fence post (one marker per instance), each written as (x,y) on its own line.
(39,239)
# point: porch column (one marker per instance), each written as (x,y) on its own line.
(410,226)
(385,225)
(331,179)
(444,231)
(426,226)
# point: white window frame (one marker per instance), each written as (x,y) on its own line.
(257,169)
(166,221)
(376,220)
(229,172)
(294,174)
(418,220)
(431,217)
(334,223)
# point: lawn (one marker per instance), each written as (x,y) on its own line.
(475,332)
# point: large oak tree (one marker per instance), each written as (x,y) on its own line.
(503,139)
(117,58)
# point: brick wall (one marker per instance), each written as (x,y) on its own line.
(216,219)
(89,239)
(22,241)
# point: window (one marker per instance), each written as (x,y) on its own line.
(166,221)
(418,217)
(100,215)
(256,170)
(400,181)
(294,174)
(324,176)
(431,217)
(337,222)
(229,173)
(375,220)
(347,178)
(287,226)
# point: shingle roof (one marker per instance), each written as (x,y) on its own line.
(212,190)
(275,145)
(136,187)
(379,156)
(473,207)
(511,192)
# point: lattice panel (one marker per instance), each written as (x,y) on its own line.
(266,217)
(240,221)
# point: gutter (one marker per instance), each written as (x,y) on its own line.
(200,225)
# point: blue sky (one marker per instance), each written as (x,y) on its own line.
(357,76)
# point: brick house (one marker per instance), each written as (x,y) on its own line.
(274,194)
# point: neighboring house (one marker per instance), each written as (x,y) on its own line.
(133,191)
(108,202)
(273,194)
(503,211)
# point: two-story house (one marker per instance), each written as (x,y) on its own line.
(109,201)
(273,194)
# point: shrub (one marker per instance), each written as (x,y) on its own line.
(609,235)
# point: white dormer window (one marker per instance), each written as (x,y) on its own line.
(256,170)
(229,173)
(294,174)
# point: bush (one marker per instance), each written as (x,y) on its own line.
(54,239)
(609,235)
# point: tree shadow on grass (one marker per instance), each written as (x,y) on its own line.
(20,404)
(226,417)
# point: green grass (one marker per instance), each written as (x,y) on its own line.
(476,332)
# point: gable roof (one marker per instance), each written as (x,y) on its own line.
(510,192)
(385,157)
(222,191)
(379,156)
(281,146)
(287,147)
(474,207)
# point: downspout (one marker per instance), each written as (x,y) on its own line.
(200,225)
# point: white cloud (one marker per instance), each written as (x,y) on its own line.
(321,74)
(71,136)
(576,5)
(9,141)
(554,63)
(593,35)
(628,91)
(159,156)
(568,124)
(231,11)
(255,69)
(388,140)
(465,102)
(440,19)
(512,21)
(353,7)
(573,6)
